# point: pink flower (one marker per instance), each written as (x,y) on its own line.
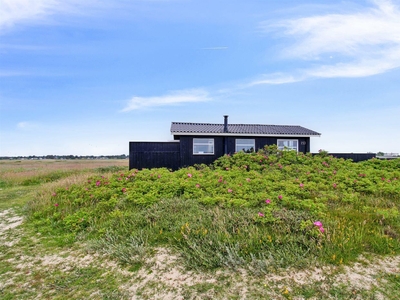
(260,214)
(98,183)
(56,204)
(54,194)
(268,201)
(318,223)
(189,175)
(248,179)
(334,185)
(301,185)
(123,190)
(227,169)
(197,185)
(322,229)
(230,191)
(220,180)
(280,197)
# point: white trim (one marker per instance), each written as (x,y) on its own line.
(243,134)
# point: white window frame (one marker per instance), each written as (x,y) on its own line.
(197,142)
(288,144)
(246,144)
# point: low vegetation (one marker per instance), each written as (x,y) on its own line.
(246,218)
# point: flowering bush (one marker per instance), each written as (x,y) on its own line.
(283,195)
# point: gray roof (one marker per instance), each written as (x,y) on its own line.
(178,128)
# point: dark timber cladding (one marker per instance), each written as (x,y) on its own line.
(146,155)
(203,143)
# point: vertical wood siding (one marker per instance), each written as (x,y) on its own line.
(154,155)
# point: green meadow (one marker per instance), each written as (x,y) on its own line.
(266,225)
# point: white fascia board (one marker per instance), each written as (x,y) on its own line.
(242,134)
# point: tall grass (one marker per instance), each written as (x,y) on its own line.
(259,211)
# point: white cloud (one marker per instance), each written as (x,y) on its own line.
(273,79)
(175,97)
(344,45)
(14,12)
(26,125)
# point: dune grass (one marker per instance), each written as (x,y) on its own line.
(257,214)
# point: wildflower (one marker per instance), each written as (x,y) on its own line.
(230,190)
(220,180)
(260,214)
(280,197)
(268,201)
(248,179)
(98,183)
(123,190)
(54,194)
(318,223)
(301,185)
(189,175)
(334,185)
(56,204)
(197,185)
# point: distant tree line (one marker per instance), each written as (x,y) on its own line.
(34,157)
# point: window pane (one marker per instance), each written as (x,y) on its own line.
(245,145)
(203,146)
(288,144)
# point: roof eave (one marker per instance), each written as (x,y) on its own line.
(243,134)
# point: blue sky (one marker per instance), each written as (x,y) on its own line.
(86,77)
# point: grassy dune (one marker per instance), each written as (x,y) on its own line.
(264,225)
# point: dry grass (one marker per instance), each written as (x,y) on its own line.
(16,172)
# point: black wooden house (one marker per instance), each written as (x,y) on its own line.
(197,143)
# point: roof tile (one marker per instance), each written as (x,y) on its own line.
(179,127)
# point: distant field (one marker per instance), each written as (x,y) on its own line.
(26,172)
(19,166)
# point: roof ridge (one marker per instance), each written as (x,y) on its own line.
(236,124)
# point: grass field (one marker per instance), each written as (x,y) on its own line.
(242,229)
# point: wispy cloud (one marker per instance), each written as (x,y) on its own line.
(14,12)
(276,78)
(24,125)
(355,44)
(172,98)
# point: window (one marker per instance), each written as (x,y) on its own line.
(288,144)
(246,145)
(203,146)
